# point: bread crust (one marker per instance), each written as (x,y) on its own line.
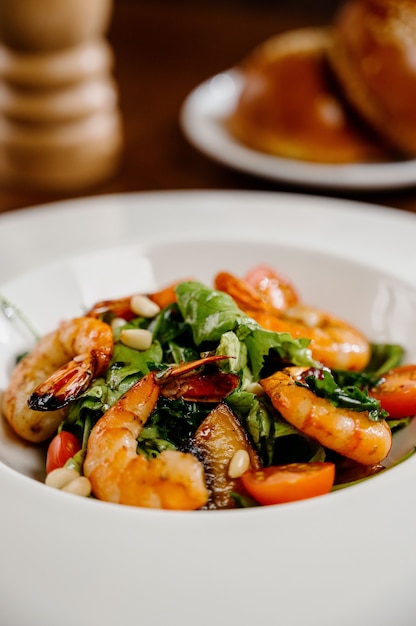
(373,55)
(289,105)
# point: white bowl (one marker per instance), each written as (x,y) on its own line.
(345,558)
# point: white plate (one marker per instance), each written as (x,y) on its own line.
(203,116)
(346,558)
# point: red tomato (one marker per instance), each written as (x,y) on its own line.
(62,447)
(287,483)
(397,392)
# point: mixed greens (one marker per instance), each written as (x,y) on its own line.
(204,321)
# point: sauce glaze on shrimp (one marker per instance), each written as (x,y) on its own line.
(59,368)
(172,480)
(334,343)
(350,433)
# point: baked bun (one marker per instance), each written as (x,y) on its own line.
(373,55)
(289,105)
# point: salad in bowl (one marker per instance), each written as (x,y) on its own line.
(200,396)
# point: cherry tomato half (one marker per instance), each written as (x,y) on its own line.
(62,447)
(397,392)
(287,483)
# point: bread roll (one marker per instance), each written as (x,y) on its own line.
(373,54)
(289,105)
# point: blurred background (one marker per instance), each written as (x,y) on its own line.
(163,49)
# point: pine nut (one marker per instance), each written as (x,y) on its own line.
(136,338)
(60,477)
(117,323)
(239,464)
(81,486)
(143,306)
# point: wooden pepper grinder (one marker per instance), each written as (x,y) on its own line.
(60,127)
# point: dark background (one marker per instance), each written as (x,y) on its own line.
(165,48)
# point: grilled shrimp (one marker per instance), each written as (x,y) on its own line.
(172,480)
(55,372)
(262,290)
(136,304)
(334,343)
(348,432)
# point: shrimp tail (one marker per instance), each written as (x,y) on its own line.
(199,388)
(65,384)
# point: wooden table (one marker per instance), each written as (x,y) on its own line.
(163,49)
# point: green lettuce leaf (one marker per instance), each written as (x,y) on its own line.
(211,314)
(324,384)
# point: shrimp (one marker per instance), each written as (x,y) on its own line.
(247,298)
(122,307)
(348,432)
(263,289)
(333,342)
(172,480)
(55,372)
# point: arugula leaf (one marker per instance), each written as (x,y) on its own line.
(260,425)
(152,443)
(126,368)
(76,462)
(243,501)
(362,380)
(323,384)
(260,343)
(384,357)
(129,365)
(211,314)
(235,350)
(400,423)
(275,440)
(87,408)
(171,425)
(169,326)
